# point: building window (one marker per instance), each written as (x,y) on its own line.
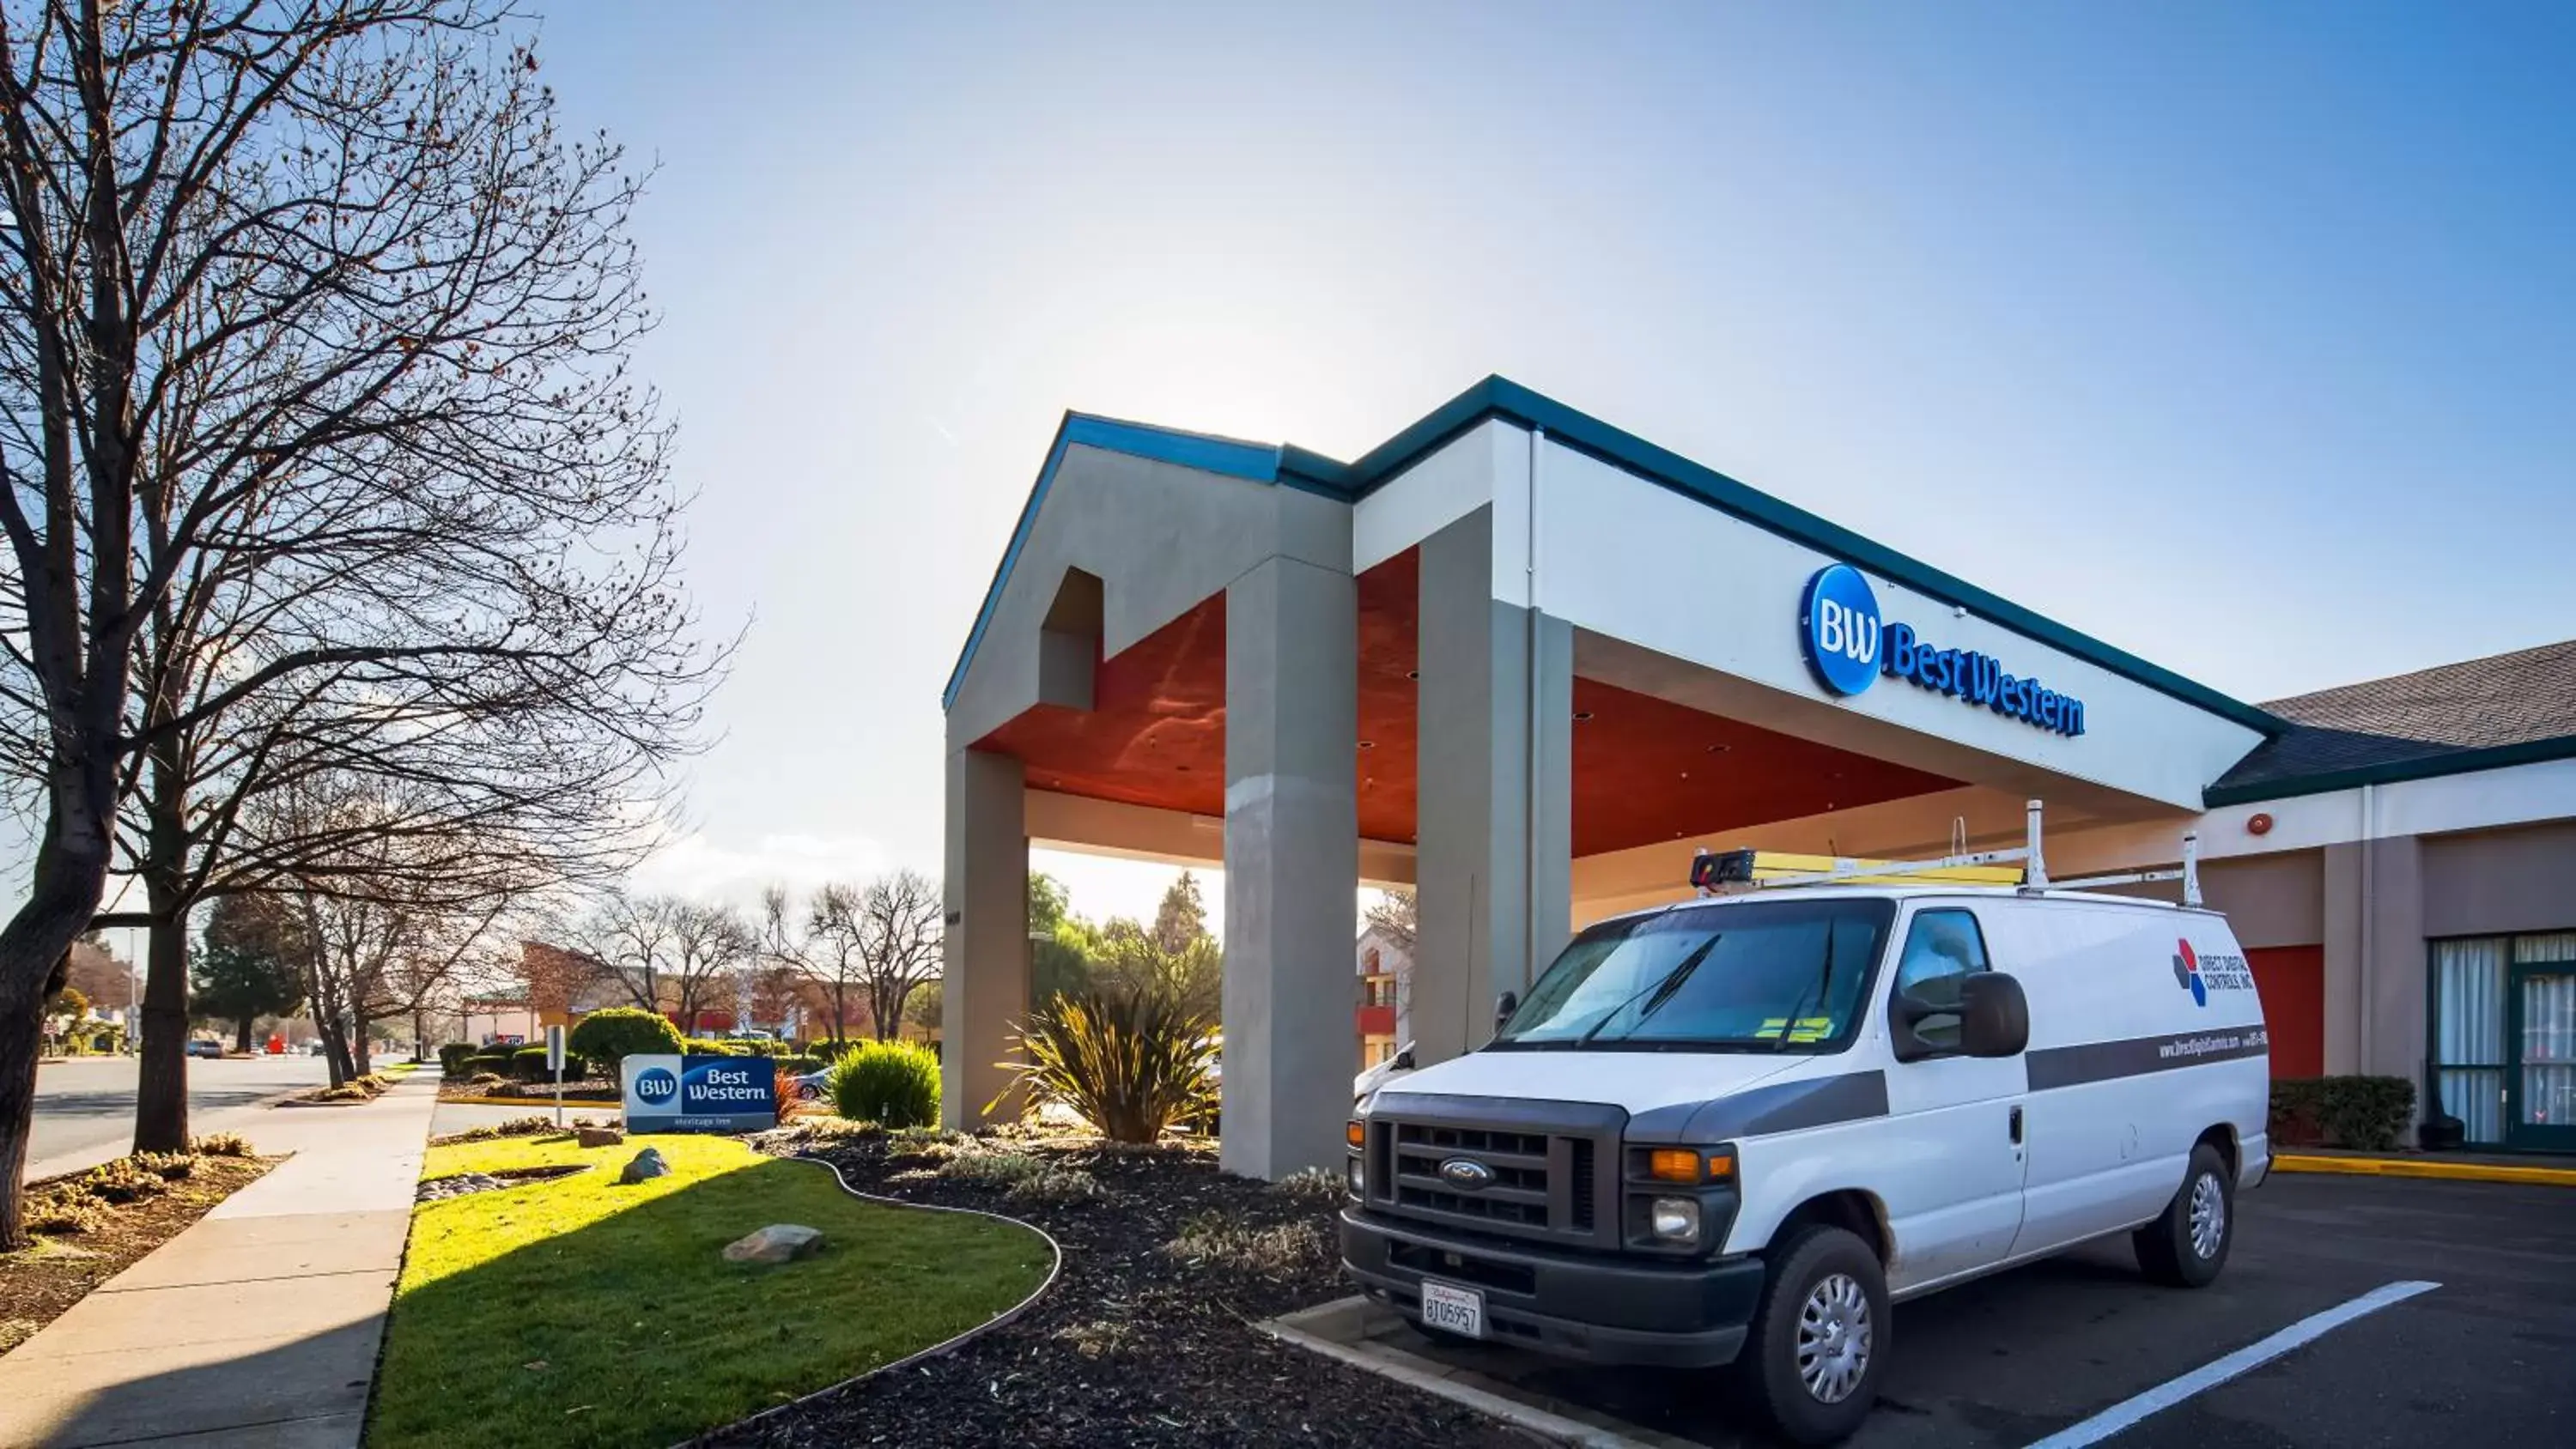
(2504,1037)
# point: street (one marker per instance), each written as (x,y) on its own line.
(2041,1350)
(85,1106)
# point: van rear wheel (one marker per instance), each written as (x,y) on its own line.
(1811,1358)
(2187,1245)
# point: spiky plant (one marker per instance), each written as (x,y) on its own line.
(1130,1066)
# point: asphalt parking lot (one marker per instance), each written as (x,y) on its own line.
(2487,1357)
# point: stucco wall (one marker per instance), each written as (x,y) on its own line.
(2494,881)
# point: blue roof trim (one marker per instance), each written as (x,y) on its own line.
(1206,452)
(1499,397)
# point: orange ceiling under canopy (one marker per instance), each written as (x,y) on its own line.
(1645,769)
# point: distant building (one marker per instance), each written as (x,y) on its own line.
(1386,988)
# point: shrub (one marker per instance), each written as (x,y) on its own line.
(1209,1237)
(496,1060)
(2369,1114)
(124,1180)
(1019,1175)
(799,1066)
(172,1166)
(1316,1186)
(454,1057)
(515,1127)
(528,1064)
(892,1083)
(64,1208)
(1130,1067)
(605,1039)
(485,1079)
(221,1144)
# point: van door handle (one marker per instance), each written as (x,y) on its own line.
(2016,1126)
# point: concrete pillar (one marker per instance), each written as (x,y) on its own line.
(1494,818)
(985,956)
(1291,865)
(2375,958)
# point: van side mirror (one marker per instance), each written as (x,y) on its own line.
(1504,1008)
(1994,1015)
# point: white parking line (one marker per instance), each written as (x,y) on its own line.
(2209,1376)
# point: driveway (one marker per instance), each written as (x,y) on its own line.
(2045,1350)
(85,1106)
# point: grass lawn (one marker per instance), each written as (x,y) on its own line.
(578,1312)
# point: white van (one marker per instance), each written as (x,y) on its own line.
(1733,1131)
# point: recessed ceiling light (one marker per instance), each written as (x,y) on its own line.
(1719,749)
(1413,674)
(1581,715)
(1368,744)
(1685,774)
(1184,769)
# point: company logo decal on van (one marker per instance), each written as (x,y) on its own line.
(2201,975)
(1848,646)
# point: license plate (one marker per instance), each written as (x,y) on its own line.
(1459,1310)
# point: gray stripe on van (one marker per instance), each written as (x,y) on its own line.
(1781,1107)
(2102,1061)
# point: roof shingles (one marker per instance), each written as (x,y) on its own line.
(2523,700)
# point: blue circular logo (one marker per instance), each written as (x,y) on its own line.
(1838,626)
(656,1084)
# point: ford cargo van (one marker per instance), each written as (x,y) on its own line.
(1734,1131)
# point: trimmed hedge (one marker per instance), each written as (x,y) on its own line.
(799,1066)
(493,1059)
(606,1038)
(456,1057)
(890,1083)
(2368,1114)
(528,1064)
(712,1046)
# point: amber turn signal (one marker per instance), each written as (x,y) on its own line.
(1673,1164)
(1355,1134)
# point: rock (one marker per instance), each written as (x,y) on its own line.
(647,1164)
(777,1243)
(600,1136)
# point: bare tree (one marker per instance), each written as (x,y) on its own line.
(825,943)
(313,334)
(1397,916)
(900,917)
(669,955)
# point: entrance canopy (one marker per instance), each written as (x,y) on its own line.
(1515,656)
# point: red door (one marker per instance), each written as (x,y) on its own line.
(2293,982)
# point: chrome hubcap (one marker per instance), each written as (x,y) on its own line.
(2208,1215)
(1833,1338)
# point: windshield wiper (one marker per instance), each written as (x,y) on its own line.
(1823,983)
(1657,994)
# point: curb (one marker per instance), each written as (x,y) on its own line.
(2410,1167)
(533,1104)
(1055,1268)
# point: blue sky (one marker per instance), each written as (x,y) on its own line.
(2241,337)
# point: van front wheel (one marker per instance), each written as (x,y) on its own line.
(1810,1364)
(2188,1244)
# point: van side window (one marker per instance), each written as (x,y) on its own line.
(1940,947)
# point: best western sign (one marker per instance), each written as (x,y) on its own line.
(1849,646)
(699,1094)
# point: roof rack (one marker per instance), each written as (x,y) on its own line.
(1713,872)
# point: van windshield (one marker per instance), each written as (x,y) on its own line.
(1747,976)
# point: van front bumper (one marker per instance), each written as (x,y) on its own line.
(1584,1306)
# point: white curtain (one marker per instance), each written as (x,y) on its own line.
(2468,999)
(2549,1050)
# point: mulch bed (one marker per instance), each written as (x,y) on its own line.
(40,1284)
(1135,1343)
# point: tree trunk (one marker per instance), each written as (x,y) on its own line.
(161,1087)
(62,897)
(241,1040)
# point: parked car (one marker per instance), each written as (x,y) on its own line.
(811,1086)
(1733,1132)
(199,1047)
(313,1048)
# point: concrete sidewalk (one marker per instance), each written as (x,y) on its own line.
(256,1326)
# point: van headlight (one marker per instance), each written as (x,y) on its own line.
(1673,1220)
(1359,1179)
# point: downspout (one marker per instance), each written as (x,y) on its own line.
(1530,679)
(2368,966)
